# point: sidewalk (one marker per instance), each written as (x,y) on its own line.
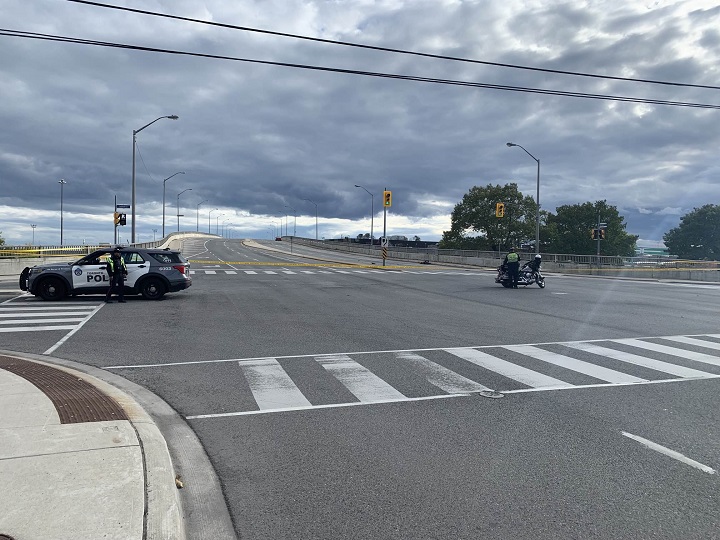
(80,460)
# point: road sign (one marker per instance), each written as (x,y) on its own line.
(122,206)
(384,242)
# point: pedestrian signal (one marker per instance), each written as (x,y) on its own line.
(123,219)
(116,218)
(387,198)
(500,209)
(602,234)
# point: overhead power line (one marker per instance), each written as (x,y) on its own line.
(389,49)
(451,82)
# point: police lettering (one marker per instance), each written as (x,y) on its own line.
(97,277)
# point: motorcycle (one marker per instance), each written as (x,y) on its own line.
(527,276)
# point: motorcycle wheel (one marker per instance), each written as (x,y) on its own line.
(540,282)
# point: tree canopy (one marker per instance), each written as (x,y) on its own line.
(476,214)
(569,230)
(697,236)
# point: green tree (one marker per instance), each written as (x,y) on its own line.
(476,214)
(2,240)
(697,236)
(570,230)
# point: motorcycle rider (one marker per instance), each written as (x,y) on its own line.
(512,263)
(534,265)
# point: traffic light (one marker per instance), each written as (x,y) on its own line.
(594,234)
(387,198)
(500,209)
(602,234)
(123,219)
(116,218)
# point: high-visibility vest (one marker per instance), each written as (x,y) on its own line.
(513,257)
(111,264)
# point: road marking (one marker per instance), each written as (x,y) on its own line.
(39,321)
(657,365)
(567,362)
(696,342)
(362,383)
(271,386)
(442,377)
(672,351)
(508,369)
(670,453)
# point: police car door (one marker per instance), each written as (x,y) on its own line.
(136,267)
(91,272)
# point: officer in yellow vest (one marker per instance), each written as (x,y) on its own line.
(117,271)
(512,262)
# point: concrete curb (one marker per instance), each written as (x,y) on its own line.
(170,449)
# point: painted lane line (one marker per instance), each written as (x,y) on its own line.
(39,321)
(271,386)
(362,383)
(211,272)
(48,314)
(567,362)
(231,272)
(36,329)
(672,351)
(269,272)
(15,307)
(72,332)
(657,365)
(440,376)
(508,369)
(696,342)
(327,406)
(670,453)
(250,271)
(451,350)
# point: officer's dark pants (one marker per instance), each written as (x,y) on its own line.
(513,271)
(117,285)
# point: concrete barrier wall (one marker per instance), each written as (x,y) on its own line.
(14,265)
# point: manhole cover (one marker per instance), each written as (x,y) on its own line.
(490,394)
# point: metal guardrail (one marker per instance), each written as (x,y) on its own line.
(16,252)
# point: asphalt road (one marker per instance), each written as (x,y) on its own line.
(340,402)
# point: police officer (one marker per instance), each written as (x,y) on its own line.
(117,271)
(512,262)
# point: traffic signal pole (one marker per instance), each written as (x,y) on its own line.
(385,207)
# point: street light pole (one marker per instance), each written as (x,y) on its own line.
(168,178)
(316,217)
(33,238)
(295,222)
(222,228)
(135,132)
(537,199)
(210,212)
(178,207)
(372,212)
(217,227)
(62,183)
(197,215)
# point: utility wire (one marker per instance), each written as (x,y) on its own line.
(451,82)
(388,49)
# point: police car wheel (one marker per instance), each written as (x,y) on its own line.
(52,289)
(152,289)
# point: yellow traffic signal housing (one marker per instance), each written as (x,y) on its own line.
(116,218)
(500,209)
(602,234)
(387,198)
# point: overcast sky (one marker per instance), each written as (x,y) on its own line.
(254,139)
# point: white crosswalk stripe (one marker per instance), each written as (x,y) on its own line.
(25,315)
(483,369)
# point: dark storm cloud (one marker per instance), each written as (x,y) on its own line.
(254,140)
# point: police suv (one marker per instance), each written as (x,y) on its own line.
(150,272)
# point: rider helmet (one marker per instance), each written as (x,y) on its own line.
(538,256)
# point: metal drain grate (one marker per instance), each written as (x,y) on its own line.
(75,400)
